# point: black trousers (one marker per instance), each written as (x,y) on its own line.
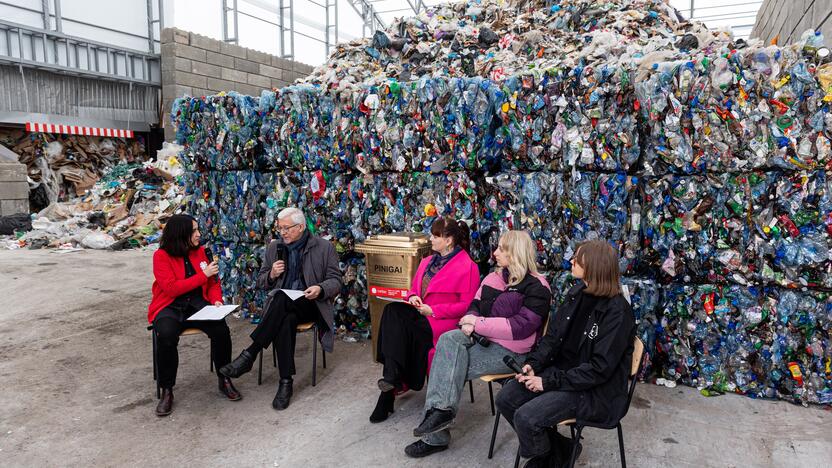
(279,327)
(533,414)
(167,339)
(404,341)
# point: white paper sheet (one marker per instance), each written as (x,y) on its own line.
(293,294)
(214,312)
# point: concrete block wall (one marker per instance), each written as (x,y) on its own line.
(14,190)
(790,18)
(199,66)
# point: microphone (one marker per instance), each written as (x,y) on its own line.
(208,252)
(512,364)
(478,339)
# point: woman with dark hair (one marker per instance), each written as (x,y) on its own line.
(185,282)
(580,367)
(444,285)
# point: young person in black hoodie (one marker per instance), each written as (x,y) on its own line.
(579,369)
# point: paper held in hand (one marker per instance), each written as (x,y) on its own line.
(293,294)
(214,312)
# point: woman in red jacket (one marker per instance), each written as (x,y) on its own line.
(442,289)
(185,282)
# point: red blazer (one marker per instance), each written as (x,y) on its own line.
(170,282)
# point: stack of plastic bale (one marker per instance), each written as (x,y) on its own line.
(583,117)
(765,342)
(735,202)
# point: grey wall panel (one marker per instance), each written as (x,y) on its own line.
(43,92)
(789,18)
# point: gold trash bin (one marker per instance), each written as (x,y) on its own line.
(392,260)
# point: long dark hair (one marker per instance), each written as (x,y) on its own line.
(458,230)
(176,236)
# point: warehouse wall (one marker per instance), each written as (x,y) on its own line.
(789,18)
(200,66)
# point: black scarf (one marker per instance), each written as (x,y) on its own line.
(294,268)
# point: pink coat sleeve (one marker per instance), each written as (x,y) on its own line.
(457,309)
(494,327)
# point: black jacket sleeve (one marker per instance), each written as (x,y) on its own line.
(615,331)
(543,352)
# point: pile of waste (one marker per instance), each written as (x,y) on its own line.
(125,208)
(701,157)
(63,167)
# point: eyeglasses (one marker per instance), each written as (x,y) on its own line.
(284,230)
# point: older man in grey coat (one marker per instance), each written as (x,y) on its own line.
(298,261)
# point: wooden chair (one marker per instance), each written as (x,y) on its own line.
(185,332)
(576,428)
(303,327)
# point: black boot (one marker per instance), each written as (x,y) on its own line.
(384,407)
(239,366)
(165,406)
(283,395)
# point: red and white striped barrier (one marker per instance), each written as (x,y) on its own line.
(77,130)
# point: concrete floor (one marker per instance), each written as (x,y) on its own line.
(76,371)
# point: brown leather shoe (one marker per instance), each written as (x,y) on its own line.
(165,406)
(227,389)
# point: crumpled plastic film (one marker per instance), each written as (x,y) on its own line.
(762,342)
(218,132)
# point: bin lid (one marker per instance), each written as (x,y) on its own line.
(408,241)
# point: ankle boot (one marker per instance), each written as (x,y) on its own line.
(384,407)
(165,406)
(283,395)
(239,366)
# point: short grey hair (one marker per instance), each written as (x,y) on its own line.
(294,214)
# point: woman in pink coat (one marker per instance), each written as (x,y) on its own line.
(442,289)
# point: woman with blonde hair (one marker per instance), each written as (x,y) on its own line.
(580,368)
(504,319)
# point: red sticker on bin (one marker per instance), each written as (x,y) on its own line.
(382,291)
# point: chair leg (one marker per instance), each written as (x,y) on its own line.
(155,370)
(491,397)
(314,354)
(517,458)
(621,445)
(471,389)
(260,369)
(274,355)
(323,356)
(576,439)
(493,436)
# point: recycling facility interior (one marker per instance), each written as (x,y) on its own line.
(702,157)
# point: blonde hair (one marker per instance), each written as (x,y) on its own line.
(600,263)
(521,251)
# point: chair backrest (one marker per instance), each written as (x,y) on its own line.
(638,357)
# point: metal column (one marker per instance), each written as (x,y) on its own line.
(226,36)
(331,33)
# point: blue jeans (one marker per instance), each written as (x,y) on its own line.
(456,361)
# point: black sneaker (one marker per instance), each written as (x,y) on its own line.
(421,449)
(540,461)
(435,420)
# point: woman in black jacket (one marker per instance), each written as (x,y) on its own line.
(579,369)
